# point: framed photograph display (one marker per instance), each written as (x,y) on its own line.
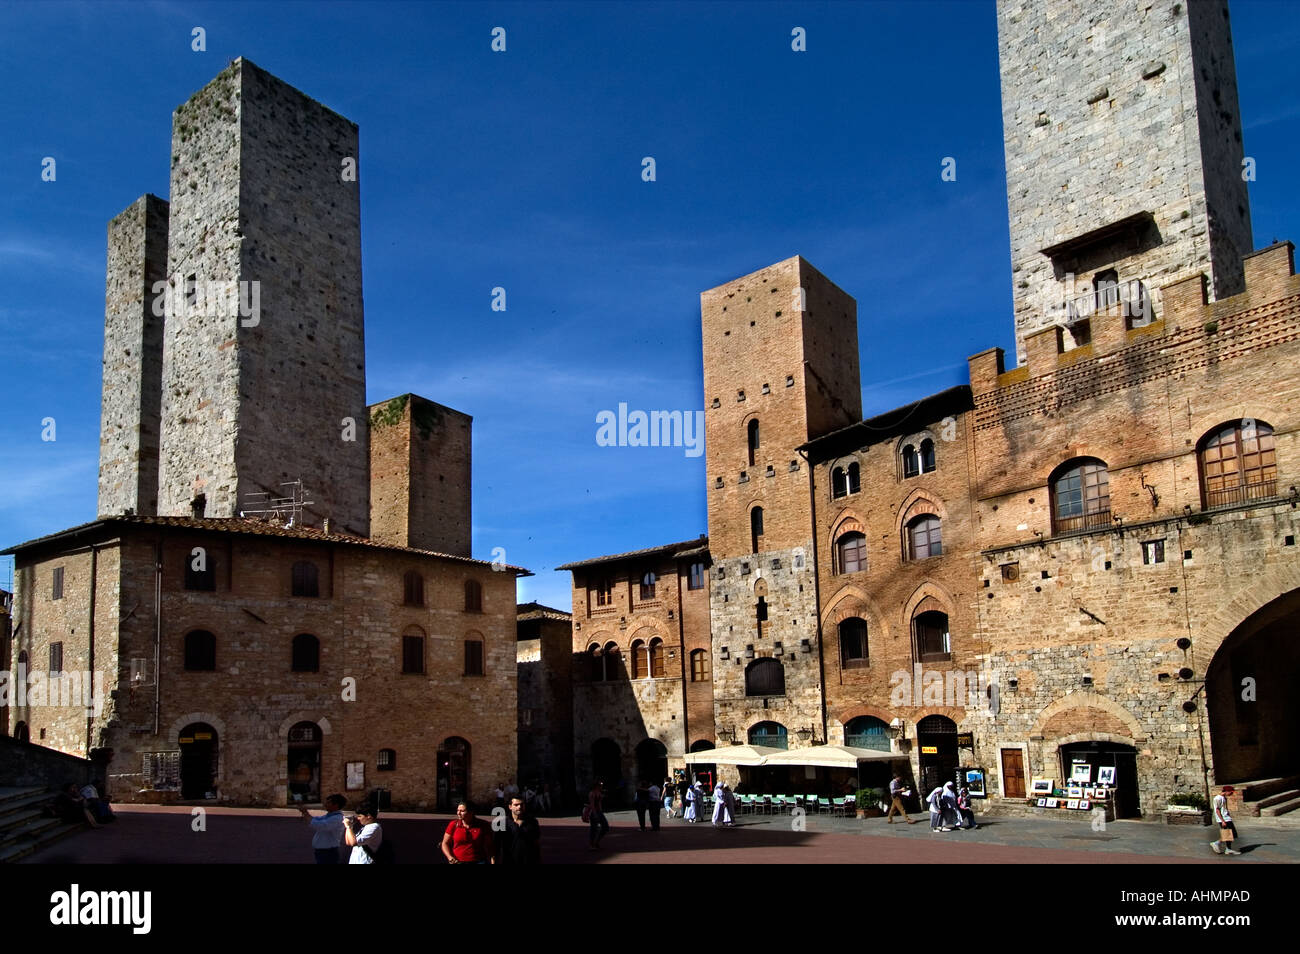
(974,781)
(1051,803)
(1042,803)
(356,776)
(1072,803)
(1106,775)
(1042,786)
(1085,805)
(1081,772)
(1074,791)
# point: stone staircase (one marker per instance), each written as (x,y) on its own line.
(24,828)
(1270,797)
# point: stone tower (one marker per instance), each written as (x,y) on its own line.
(133,334)
(780,368)
(420,475)
(263,370)
(1124,158)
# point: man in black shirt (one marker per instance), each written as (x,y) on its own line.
(520,843)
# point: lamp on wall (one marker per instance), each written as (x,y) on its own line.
(897,728)
(727,735)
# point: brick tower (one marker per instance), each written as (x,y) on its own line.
(263,370)
(780,368)
(1124,158)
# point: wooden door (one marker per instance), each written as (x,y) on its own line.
(1013,773)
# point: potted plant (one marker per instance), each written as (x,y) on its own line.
(1187,808)
(870,802)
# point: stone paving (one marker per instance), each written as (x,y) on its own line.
(155,834)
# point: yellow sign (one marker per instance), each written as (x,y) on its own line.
(203,736)
(929,750)
(184,738)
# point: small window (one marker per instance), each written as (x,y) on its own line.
(911,461)
(595,663)
(699,666)
(387,760)
(648,583)
(854,478)
(853,643)
(656,658)
(1106,286)
(924,537)
(927,456)
(603,592)
(696,580)
(613,657)
(412,588)
(200,651)
(200,571)
(56,585)
(56,657)
(473,596)
(413,654)
(753,440)
(1153,551)
(473,657)
(306,579)
(1081,497)
(851,550)
(306,653)
(756,528)
(765,677)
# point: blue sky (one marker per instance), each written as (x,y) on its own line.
(522,170)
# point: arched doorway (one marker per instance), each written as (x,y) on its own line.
(453,772)
(1119,758)
(304,763)
(652,761)
(200,750)
(936,738)
(706,772)
(607,765)
(1254,713)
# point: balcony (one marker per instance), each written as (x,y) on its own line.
(1082,523)
(1235,496)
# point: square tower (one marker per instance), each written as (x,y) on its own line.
(263,376)
(133,334)
(1124,158)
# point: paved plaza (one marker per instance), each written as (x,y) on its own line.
(154,834)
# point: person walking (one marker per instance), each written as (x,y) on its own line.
(897,792)
(521,840)
(948,802)
(668,793)
(1223,818)
(934,801)
(594,814)
(467,840)
(692,797)
(966,809)
(366,842)
(327,829)
(656,804)
(719,804)
(729,806)
(641,801)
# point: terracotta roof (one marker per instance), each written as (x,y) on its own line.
(242,527)
(528,611)
(685,548)
(895,423)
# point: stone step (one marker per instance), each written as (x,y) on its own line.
(31,828)
(1258,790)
(1282,808)
(1277,799)
(15,794)
(10,853)
(16,806)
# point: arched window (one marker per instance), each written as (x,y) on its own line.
(595,663)
(474,657)
(648,583)
(1238,462)
(851,552)
(200,571)
(413,650)
(839,483)
(867,732)
(412,588)
(1080,496)
(656,658)
(765,677)
(306,579)
(1106,288)
(854,478)
(473,596)
(699,665)
(853,643)
(924,537)
(387,761)
(927,456)
(756,528)
(911,461)
(753,439)
(640,664)
(930,630)
(614,668)
(306,653)
(770,734)
(200,651)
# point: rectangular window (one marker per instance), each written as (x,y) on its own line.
(648,586)
(56,588)
(697,577)
(1153,551)
(473,657)
(699,666)
(56,657)
(413,654)
(604,592)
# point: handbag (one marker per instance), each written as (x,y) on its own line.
(1225,833)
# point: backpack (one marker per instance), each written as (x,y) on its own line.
(385,854)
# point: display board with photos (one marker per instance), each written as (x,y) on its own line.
(1076,794)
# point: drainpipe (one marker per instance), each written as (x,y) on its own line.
(157,635)
(90,717)
(817,589)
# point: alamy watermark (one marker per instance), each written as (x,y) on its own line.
(36,688)
(626,428)
(954,688)
(191,298)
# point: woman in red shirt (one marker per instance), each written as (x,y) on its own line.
(467,840)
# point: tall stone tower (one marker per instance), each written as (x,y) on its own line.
(133,334)
(1124,157)
(263,370)
(780,368)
